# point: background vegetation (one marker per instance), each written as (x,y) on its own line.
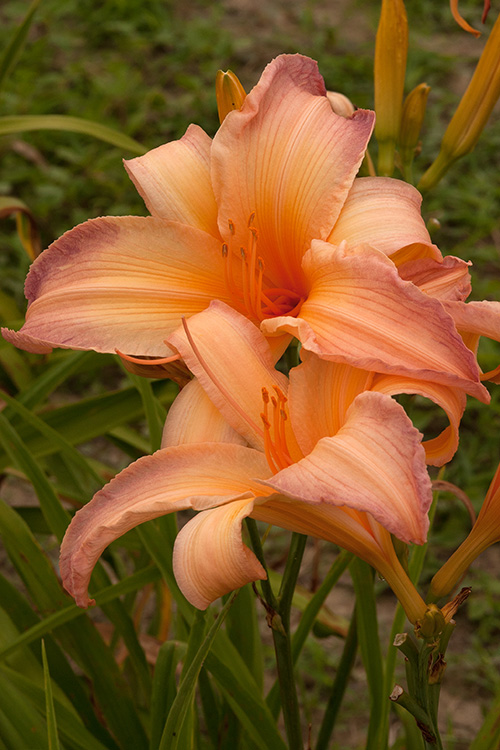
(148,70)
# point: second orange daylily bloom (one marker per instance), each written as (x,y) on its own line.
(243,440)
(268,217)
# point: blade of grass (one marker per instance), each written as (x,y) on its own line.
(84,643)
(21,613)
(164,688)
(185,693)
(52,738)
(136,581)
(369,643)
(16,45)
(70,727)
(22,123)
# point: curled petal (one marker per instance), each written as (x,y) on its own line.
(186,476)
(375,464)
(210,558)
(193,418)
(174,181)
(448,279)
(287,157)
(120,283)
(416,251)
(360,312)
(482,318)
(441,449)
(382,212)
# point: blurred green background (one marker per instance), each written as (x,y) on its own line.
(148,70)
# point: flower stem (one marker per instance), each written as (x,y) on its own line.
(339,685)
(278,617)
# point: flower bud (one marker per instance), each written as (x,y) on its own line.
(229,93)
(340,104)
(391,48)
(472,113)
(411,122)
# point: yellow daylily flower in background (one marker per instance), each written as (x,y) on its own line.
(243,440)
(269,218)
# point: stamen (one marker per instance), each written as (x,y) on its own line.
(217,382)
(276,449)
(244,279)
(257,301)
(146,361)
(228,271)
(272,457)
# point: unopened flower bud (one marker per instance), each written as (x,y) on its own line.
(391,48)
(472,113)
(229,93)
(411,122)
(340,104)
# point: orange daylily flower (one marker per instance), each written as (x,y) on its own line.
(484,533)
(269,218)
(243,440)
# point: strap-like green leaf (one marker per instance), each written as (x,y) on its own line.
(52,737)
(70,727)
(185,694)
(134,582)
(16,44)
(23,123)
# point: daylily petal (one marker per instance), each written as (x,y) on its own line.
(482,318)
(210,558)
(230,345)
(320,394)
(174,181)
(187,476)
(193,418)
(352,530)
(448,279)
(120,283)
(375,464)
(288,158)
(416,251)
(441,449)
(360,312)
(383,212)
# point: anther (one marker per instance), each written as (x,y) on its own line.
(225,250)
(231,226)
(251,219)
